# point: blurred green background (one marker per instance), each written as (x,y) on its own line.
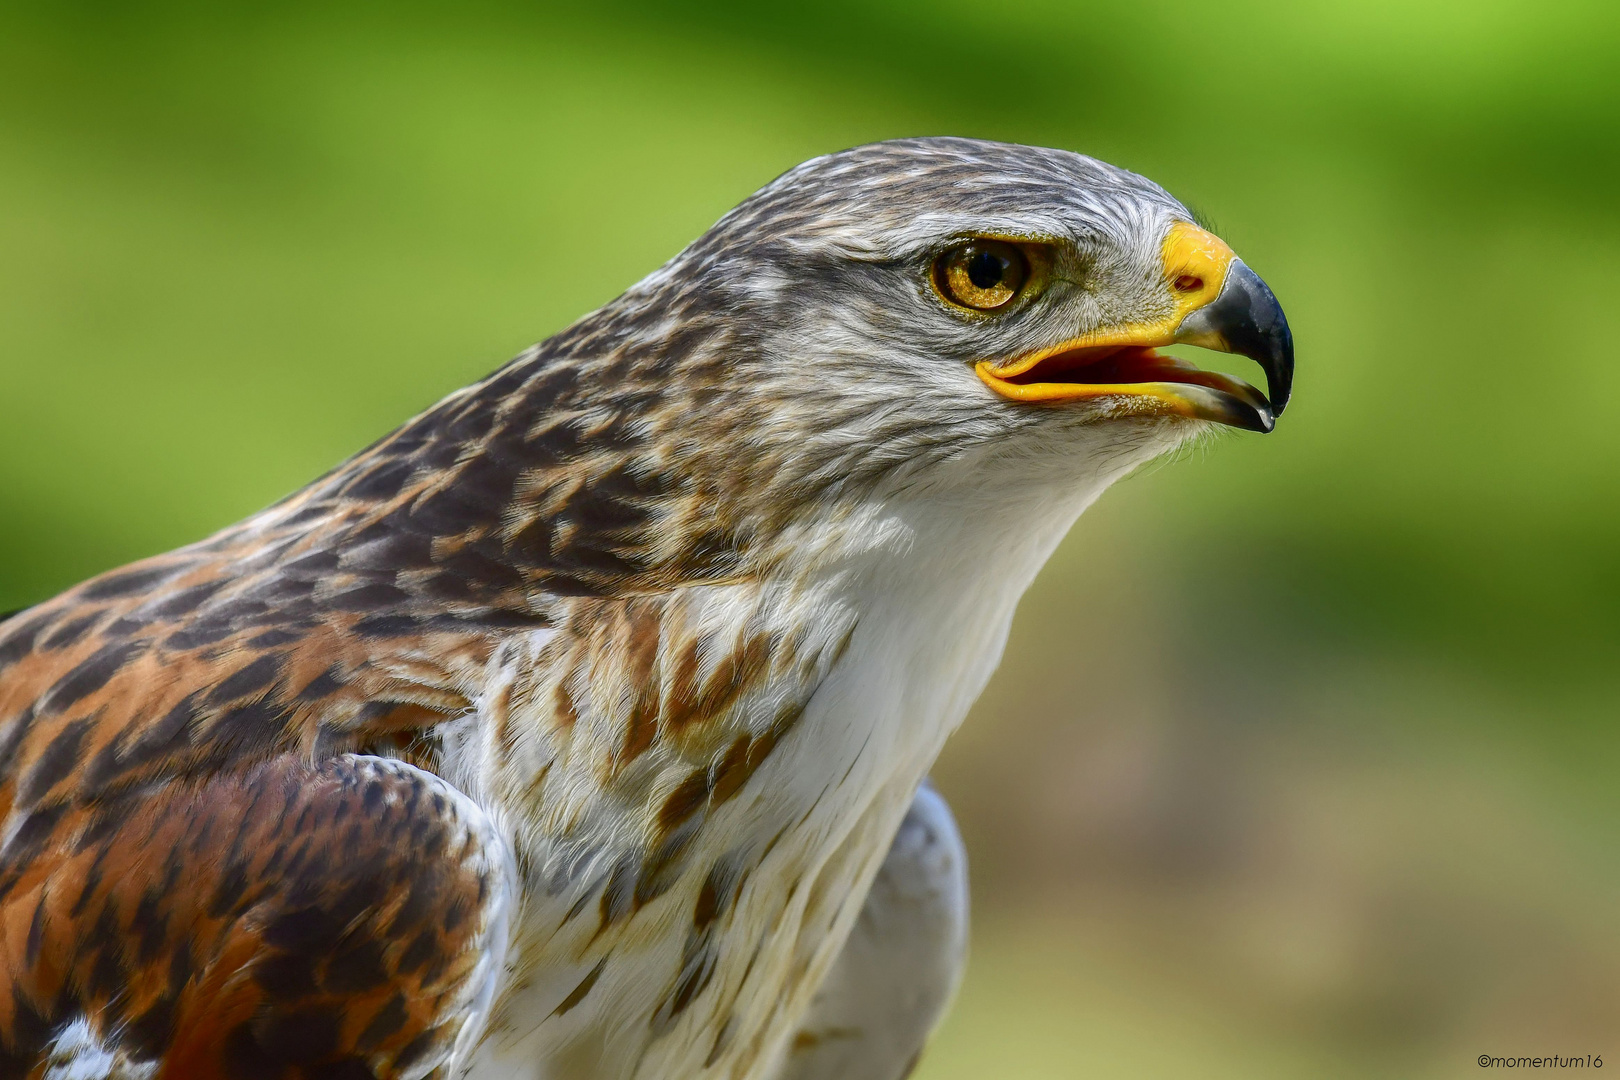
(1302,759)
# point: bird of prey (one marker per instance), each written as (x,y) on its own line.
(563,732)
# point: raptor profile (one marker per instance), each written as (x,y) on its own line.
(563,732)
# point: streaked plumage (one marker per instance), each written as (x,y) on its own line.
(901,964)
(661,626)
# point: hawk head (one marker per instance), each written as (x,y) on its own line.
(877,310)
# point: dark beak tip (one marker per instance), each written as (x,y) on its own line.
(1258,329)
(1280,377)
(1245,319)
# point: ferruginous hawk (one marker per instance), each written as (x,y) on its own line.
(563,732)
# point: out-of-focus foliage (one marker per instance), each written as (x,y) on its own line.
(1301,760)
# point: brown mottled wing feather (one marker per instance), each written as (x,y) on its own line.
(356,615)
(367,608)
(340,919)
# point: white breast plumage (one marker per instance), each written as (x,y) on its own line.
(930,586)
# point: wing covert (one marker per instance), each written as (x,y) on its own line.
(346,918)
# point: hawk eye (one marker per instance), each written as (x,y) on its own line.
(982,275)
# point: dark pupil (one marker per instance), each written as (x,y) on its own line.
(985,269)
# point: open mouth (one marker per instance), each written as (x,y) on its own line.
(1143,380)
(1120,369)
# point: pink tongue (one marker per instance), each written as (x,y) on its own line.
(1122,364)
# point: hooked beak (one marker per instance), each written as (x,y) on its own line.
(1219,303)
(1247,320)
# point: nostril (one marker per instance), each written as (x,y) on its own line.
(1189,283)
